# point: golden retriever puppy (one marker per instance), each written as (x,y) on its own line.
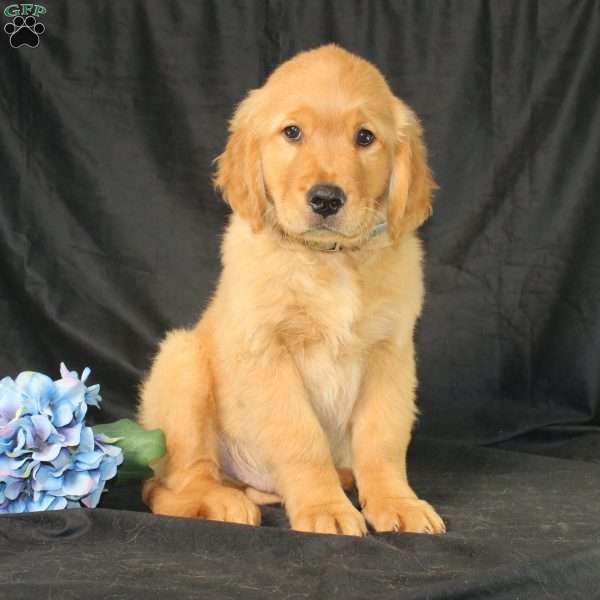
(302,367)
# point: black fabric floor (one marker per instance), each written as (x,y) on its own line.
(520,526)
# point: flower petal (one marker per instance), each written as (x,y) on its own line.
(102,437)
(70,435)
(58,503)
(42,427)
(92,396)
(14,488)
(43,501)
(17,506)
(62,413)
(108,468)
(10,400)
(109,449)
(92,500)
(85,374)
(9,430)
(62,462)
(38,390)
(64,371)
(47,452)
(8,466)
(86,441)
(85,461)
(46,480)
(77,483)
(18,448)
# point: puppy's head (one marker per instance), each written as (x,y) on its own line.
(324,151)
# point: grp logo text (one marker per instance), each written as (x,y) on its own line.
(14,10)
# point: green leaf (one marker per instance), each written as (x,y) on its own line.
(140,447)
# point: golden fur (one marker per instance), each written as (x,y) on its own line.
(303,363)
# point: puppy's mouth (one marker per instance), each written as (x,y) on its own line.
(332,234)
(325,233)
(326,230)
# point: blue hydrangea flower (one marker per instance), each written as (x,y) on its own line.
(49,458)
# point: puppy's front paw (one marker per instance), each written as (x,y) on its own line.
(227,504)
(214,502)
(333,517)
(410,515)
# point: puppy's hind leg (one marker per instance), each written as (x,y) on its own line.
(177,397)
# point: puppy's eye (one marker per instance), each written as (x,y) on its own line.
(364,137)
(292,133)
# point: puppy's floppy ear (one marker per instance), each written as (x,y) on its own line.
(239,174)
(411,184)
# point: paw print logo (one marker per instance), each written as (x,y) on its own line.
(24,32)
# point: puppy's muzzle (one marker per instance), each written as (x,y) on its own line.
(325,200)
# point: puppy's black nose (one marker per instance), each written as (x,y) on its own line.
(326,200)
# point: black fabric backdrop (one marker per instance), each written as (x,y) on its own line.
(110,231)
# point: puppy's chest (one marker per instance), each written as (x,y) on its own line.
(327,329)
